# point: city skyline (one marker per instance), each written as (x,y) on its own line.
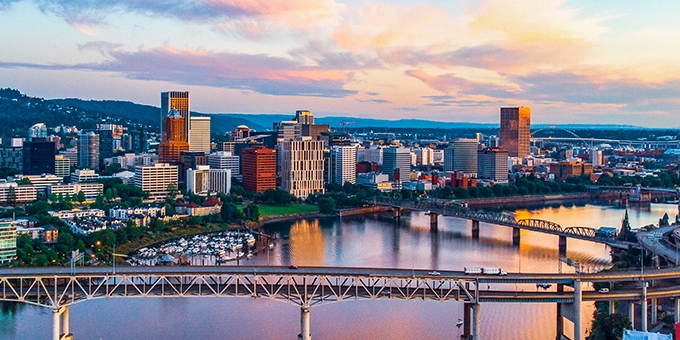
(602,63)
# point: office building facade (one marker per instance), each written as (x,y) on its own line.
(62,166)
(177,100)
(343,167)
(8,241)
(38,157)
(260,163)
(199,134)
(515,131)
(493,164)
(225,160)
(173,138)
(465,156)
(157,179)
(396,158)
(88,150)
(302,167)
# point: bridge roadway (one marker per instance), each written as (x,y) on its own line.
(58,288)
(435,208)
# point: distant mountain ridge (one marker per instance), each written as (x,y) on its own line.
(36,110)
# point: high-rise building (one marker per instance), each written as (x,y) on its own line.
(84,176)
(173,138)
(343,167)
(105,144)
(302,167)
(288,130)
(493,164)
(261,166)
(372,154)
(62,166)
(596,157)
(178,100)
(156,179)
(88,150)
(424,156)
(70,154)
(12,157)
(219,180)
(515,132)
(199,134)
(8,241)
(396,158)
(38,157)
(565,169)
(37,131)
(448,158)
(239,132)
(465,156)
(225,160)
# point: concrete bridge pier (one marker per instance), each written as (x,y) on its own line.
(61,320)
(475,229)
(560,318)
(397,213)
(476,322)
(515,236)
(305,332)
(677,309)
(563,246)
(466,321)
(643,305)
(578,333)
(434,224)
(654,311)
(631,313)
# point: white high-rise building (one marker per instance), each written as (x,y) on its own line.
(157,179)
(225,160)
(596,157)
(301,163)
(373,154)
(424,156)
(343,167)
(199,134)
(204,180)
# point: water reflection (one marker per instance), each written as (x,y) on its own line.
(366,241)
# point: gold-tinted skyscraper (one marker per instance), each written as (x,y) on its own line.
(516,130)
(178,100)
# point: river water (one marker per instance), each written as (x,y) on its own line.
(363,241)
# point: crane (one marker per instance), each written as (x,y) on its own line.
(344,125)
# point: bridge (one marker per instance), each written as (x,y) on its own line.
(58,288)
(435,208)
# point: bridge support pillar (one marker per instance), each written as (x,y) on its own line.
(397,213)
(466,321)
(560,322)
(434,224)
(305,332)
(475,229)
(563,246)
(476,322)
(578,333)
(643,309)
(654,311)
(631,313)
(677,309)
(61,321)
(515,236)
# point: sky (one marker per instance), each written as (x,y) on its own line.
(572,62)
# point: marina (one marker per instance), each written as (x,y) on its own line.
(207,249)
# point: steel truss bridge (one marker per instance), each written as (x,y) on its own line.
(449,209)
(58,288)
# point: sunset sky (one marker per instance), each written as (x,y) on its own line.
(608,61)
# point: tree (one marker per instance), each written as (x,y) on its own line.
(609,326)
(12,195)
(252,212)
(172,190)
(80,197)
(460,192)
(326,205)
(276,197)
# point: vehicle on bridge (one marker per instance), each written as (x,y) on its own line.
(543,285)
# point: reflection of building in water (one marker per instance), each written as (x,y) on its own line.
(307,243)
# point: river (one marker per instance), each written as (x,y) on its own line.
(364,241)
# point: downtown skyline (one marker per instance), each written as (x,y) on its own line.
(570,61)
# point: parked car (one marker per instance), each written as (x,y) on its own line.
(434,273)
(603,290)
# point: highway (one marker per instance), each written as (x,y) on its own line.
(619,276)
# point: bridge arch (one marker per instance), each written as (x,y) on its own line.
(541,224)
(582,231)
(552,131)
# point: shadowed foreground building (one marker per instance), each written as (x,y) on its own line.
(259,168)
